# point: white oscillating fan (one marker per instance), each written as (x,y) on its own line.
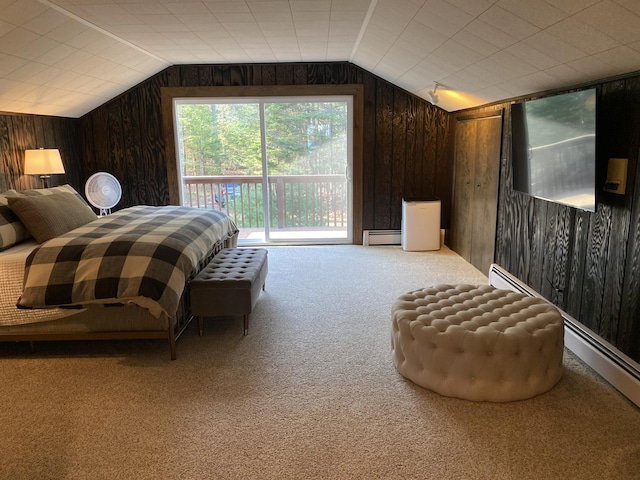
(103,191)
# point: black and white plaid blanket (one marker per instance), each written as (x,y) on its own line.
(142,255)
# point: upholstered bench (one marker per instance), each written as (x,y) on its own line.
(477,342)
(229,285)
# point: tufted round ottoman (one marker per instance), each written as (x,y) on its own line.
(477,342)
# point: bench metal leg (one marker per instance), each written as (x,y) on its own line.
(200,325)
(246,324)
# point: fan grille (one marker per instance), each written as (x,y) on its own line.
(103,190)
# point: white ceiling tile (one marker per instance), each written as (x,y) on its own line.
(234,6)
(391,19)
(623,59)
(472,7)
(306,16)
(10,63)
(147,8)
(534,82)
(453,55)
(490,34)
(564,74)
(612,19)
(507,22)
(38,48)
(475,43)
(272,6)
(572,6)
(225,18)
(443,17)
(45,22)
(196,19)
(310,5)
(21,12)
(631,5)
(178,8)
(56,54)
(16,40)
(540,14)
(554,48)
(582,36)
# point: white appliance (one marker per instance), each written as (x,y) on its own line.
(103,191)
(420,224)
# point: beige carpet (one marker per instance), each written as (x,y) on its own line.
(311,392)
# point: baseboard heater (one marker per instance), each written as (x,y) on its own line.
(381,237)
(614,366)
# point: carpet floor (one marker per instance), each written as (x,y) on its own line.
(310,393)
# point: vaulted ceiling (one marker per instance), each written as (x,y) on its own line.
(66,57)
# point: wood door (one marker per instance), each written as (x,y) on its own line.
(475,196)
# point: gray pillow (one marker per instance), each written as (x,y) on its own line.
(49,216)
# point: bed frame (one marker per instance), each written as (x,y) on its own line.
(96,323)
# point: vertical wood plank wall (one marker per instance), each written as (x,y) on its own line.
(588,264)
(21,132)
(406,139)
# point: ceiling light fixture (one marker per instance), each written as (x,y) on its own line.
(432,95)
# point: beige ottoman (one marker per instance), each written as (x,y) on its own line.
(477,342)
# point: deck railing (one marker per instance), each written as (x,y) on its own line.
(295,200)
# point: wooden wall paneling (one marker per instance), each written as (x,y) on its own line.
(399,158)
(300,74)
(153,145)
(551,224)
(485,191)
(369,152)
(533,245)
(255,75)
(383,155)
(595,267)
(132,125)
(284,74)
(616,260)
(464,172)
(562,253)
(443,179)
(628,335)
(205,75)
(22,137)
(573,294)
(171,75)
(268,75)
(88,147)
(412,170)
(115,162)
(238,75)
(429,155)
(189,75)
(11,170)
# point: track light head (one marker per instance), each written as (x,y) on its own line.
(432,95)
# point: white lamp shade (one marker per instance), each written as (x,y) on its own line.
(43,161)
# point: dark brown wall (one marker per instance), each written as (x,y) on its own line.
(406,139)
(588,264)
(21,132)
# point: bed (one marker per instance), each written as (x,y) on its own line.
(66,274)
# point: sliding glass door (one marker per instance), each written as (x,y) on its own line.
(279,166)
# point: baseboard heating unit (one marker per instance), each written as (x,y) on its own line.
(381,237)
(615,367)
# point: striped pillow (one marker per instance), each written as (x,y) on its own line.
(12,230)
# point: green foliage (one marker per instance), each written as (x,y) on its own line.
(302,138)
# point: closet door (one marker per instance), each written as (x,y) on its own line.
(475,189)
